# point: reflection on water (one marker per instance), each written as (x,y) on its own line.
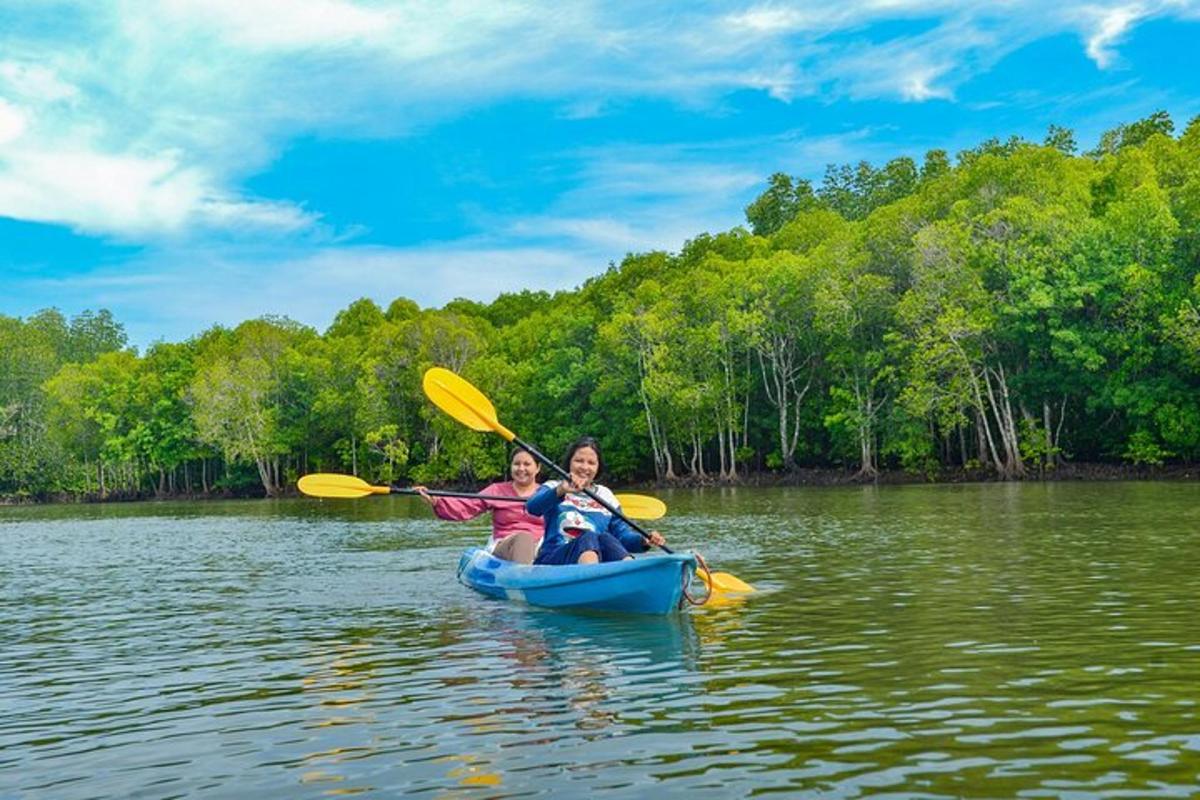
(339,676)
(968,641)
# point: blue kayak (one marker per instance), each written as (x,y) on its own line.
(649,585)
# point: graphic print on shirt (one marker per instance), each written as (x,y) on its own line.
(572,523)
(585,503)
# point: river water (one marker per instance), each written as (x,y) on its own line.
(918,641)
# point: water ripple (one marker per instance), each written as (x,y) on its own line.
(986,641)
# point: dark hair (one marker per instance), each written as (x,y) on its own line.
(581,442)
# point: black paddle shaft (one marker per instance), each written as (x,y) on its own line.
(446,493)
(616,512)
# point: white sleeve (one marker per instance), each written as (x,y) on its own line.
(605,494)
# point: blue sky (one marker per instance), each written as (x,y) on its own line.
(190,162)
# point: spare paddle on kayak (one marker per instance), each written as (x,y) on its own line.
(458,398)
(329,484)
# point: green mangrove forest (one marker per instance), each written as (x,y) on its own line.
(1006,312)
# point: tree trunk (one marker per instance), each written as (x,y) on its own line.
(264,475)
(1001,408)
(782,392)
(733,473)
(980,442)
(866,436)
(1062,416)
(722,470)
(651,423)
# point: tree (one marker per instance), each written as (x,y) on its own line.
(358,319)
(936,164)
(1021,307)
(854,311)
(30,353)
(1061,139)
(237,391)
(162,430)
(91,334)
(782,333)
(90,414)
(1135,133)
(953,326)
(784,198)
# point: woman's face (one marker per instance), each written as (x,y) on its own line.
(523,469)
(585,463)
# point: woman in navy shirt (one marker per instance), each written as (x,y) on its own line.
(580,530)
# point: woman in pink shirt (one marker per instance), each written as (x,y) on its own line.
(516,534)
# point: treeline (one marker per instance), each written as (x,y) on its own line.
(1005,311)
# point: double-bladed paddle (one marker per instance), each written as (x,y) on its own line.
(329,484)
(458,398)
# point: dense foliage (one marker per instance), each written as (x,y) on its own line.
(1015,308)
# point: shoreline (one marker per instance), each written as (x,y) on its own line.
(830,476)
(804,476)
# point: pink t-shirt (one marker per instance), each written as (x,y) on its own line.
(507,517)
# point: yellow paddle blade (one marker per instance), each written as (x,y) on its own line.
(640,506)
(724,582)
(328,484)
(461,400)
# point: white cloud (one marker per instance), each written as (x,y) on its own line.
(627,174)
(631,198)
(282,24)
(254,215)
(126,195)
(770,20)
(174,294)
(165,109)
(101,168)
(1112,24)
(675,192)
(34,81)
(598,232)
(917,85)
(12,122)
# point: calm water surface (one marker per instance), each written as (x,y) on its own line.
(954,641)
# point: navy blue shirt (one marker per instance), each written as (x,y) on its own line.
(546,503)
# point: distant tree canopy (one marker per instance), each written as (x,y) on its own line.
(1019,307)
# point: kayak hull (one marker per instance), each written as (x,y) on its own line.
(650,585)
